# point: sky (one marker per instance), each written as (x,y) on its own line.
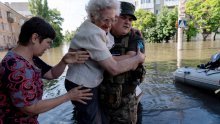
(73,11)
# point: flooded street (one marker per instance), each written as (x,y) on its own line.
(164,101)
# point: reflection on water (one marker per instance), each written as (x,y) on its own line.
(155,52)
(54,55)
(163,102)
(191,51)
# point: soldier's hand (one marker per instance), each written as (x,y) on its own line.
(141,56)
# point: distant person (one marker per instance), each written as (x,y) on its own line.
(21,73)
(118,93)
(92,36)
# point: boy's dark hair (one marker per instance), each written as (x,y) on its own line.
(35,25)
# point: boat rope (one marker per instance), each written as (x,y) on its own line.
(208,70)
(213,73)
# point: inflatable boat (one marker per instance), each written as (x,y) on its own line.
(203,78)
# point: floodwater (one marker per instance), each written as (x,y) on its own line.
(164,101)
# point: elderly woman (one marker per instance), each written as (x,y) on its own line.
(91,36)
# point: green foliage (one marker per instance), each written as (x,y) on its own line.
(59,36)
(191,31)
(36,7)
(69,35)
(151,35)
(56,21)
(145,19)
(214,8)
(166,24)
(204,15)
(156,28)
(53,16)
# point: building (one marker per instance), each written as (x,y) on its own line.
(155,6)
(10,24)
(20,7)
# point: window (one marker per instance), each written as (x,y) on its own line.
(157,11)
(157,1)
(4,38)
(0,13)
(145,1)
(21,21)
(6,27)
(10,17)
(2,25)
(8,14)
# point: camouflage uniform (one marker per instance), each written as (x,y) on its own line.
(117,94)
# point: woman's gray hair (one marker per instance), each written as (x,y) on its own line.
(95,6)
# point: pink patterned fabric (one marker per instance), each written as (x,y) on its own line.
(20,86)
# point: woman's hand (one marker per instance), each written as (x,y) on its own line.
(75,57)
(78,94)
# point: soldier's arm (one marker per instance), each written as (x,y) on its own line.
(116,67)
(129,54)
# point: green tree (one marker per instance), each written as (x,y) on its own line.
(214,8)
(40,8)
(191,31)
(36,7)
(166,24)
(204,15)
(157,28)
(56,21)
(145,21)
(151,35)
(69,35)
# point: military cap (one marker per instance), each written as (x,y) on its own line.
(128,9)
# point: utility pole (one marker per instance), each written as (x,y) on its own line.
(181,23)
(181,26)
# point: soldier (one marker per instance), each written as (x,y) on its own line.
(117,93)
